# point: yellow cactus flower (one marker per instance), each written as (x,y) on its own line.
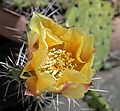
(59,59)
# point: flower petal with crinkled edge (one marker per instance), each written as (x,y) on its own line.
(40,83)
(48,23)
(53,30)
(74,82)
(87,72)
(80,44)
(87,48)
(70,75)
(46,81)
(73,90)
(39,55)
(51,39)
(73,42)
(32,85)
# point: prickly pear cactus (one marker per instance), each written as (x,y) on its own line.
(65,3)
(95,16)
(27,3)
(96,101)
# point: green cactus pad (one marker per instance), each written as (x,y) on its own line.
(96,101)
(27,3)
(94,16)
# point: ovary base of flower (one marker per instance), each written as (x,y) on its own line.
(59,59)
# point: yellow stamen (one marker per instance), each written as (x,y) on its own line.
(57,61)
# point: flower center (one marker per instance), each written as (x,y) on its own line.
(57,61)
